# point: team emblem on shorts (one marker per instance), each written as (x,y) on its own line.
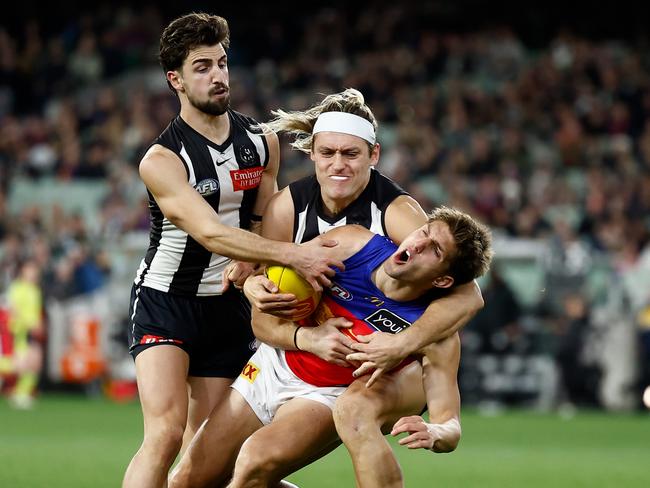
(154,339)
(250,372)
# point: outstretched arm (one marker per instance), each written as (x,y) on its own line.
(440,369)
(166,179)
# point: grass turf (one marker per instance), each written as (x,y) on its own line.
(71,441)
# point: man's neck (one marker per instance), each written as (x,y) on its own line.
(332,208)
(213,127)
(395,289)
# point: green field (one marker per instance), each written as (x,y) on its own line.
(75,442)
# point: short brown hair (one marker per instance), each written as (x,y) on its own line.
(188,32)
(473,244)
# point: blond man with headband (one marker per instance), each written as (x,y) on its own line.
(339,134)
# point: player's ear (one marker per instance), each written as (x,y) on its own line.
(312,154)
(374,155)
(445,281)
(175,80)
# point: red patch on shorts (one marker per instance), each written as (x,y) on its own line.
(153,339)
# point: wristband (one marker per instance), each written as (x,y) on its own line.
(295,337)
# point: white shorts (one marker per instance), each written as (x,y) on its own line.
(267,383)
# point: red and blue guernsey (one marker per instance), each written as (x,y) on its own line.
(353,295)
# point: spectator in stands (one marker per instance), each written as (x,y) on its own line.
(497,324)
(578,380)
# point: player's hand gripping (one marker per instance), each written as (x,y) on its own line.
(378,351)
(326,340)
(236,273)
(315,261)
(263,294)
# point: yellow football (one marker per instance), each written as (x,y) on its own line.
(289,281)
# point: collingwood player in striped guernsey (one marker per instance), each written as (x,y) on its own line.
(339,134)
(209,176)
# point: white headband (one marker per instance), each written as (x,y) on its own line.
(345,123)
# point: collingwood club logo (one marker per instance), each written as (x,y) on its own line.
(247,155)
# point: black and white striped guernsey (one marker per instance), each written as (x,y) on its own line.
(310,220)
(227,176)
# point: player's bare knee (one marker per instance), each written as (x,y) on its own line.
(165,439)
(257,463)
(353,415)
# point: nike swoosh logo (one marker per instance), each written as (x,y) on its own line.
(219,163)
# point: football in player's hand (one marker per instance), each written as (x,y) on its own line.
(289,281)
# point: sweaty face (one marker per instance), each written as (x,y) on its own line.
(204,79)
(343,165)
(423,257)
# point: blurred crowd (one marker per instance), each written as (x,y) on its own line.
(551,143)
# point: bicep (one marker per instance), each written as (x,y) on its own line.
(451,312)
(466,297)
(277,223)
(166,179)
(403,216)
(268,185)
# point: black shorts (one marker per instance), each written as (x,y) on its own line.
(215,331)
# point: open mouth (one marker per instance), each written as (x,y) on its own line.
(403,257)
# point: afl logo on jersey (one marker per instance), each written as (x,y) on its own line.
(340,292)
(207,187)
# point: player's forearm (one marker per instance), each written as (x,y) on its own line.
(443,317)
(245,246)
(439,380)
(274,331)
